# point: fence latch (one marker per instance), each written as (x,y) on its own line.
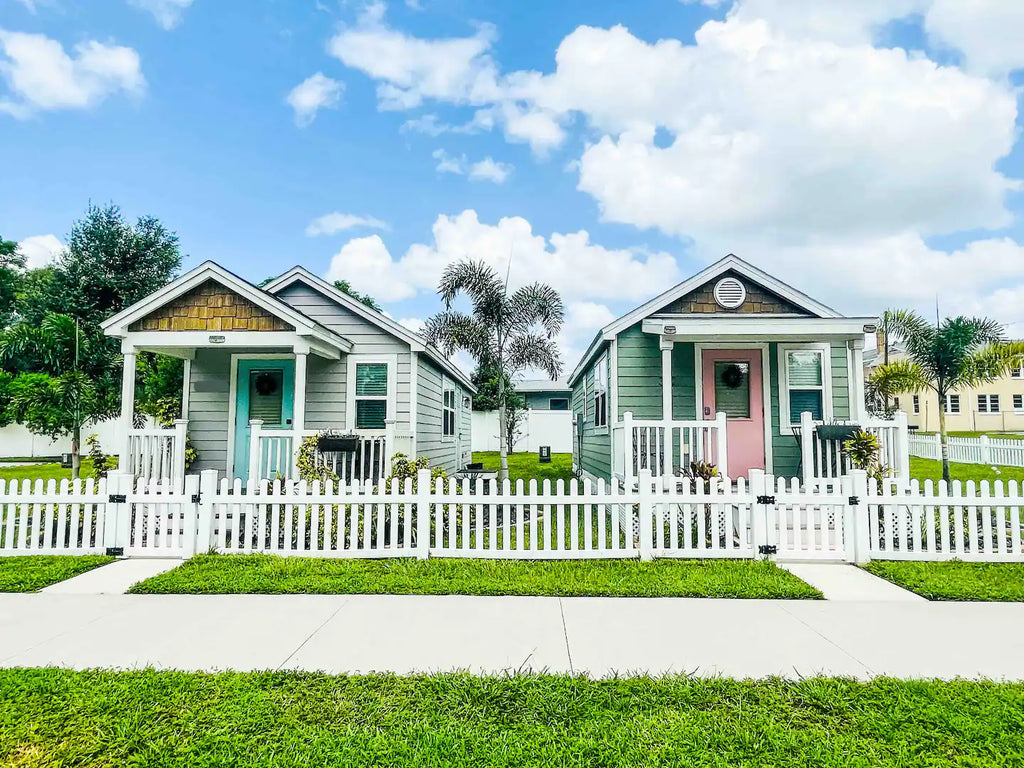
(196,497)
(854,501)
(765,499)
(767,549)
(115,551)
(118,498)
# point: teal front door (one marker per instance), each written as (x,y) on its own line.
(265,390)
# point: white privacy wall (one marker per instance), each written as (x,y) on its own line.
(15,440)
(539,428)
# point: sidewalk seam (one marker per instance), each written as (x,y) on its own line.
(565,634)
(827,639)
(323,624)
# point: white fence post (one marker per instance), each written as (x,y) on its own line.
(721,444)
(204,512)
(178,458)
(986,449)
(423,514)
(628,448)
(758,512)
(645,514)
(807,447)
(190,514)
(858,543)
(120,486)
(255,428)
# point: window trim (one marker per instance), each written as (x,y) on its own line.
(825,349)
(917,404)
(1018,398)
(602,427)
(949,401)
(350,391)
(1017,373)
(447,385)
(559,399)
(989,400)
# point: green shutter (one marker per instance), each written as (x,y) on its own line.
(371,379)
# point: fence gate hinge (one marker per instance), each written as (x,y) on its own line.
(196,497)
(118,498)
(765,499)
(854,501)
(767,549)
(115,551)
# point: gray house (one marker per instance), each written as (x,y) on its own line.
(545,394)
(267,367)
(731,367)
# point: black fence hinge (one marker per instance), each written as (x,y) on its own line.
(765,499)
(118,498)
(115,551)
(196,497)
(767,549)
(854,501)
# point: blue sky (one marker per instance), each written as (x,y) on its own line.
(865,150)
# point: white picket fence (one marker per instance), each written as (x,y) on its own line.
(998,451)
(758,516)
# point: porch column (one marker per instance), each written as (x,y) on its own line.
(666,378)
(857,378)
(299,409)
(127,407)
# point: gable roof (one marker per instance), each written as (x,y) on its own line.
(730,263)
(417,343)
(118,325)
(541,385)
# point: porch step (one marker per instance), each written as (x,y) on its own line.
(115,578)
(848,583)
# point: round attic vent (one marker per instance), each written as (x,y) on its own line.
(730,293)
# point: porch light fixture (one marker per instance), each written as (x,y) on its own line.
(870,328)
(730,293)
(216,339)
(669,330)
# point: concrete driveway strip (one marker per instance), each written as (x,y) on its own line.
(415,633)
(188,632)
(734,638)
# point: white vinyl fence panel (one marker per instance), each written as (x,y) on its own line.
(997,451)
(41,519)
(553,428)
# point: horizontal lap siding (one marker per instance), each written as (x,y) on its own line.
(325,393)
(430,440)
(840,381)
(596,457)
(785,448)
(367,339)
(640,376)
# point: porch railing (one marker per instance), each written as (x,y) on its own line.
(666,448)
(154,453)
(824,461)
(273,454)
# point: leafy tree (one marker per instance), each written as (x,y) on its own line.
(956,353)
(34,298)
(485,379)
(11,265)
(513,332)
(364,298)
(72,383)
(109,264)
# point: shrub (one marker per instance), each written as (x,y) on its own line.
(101,463)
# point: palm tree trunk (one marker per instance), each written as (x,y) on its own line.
(943,438)
(502,430)
(76,457)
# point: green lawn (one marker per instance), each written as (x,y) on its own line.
(29,573)
(527,466)
(270,574)
(926,469)
(43,471)
(955,580)
(54,717)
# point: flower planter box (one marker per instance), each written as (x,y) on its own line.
(337,443)
(838,432)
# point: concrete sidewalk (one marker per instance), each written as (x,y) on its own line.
(597,636)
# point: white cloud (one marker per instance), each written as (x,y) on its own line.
(487,169)
(988,32)
(576,267)
(313,94)
(168,13)
(40,76)
(40,250)
(332,223)
(414,324)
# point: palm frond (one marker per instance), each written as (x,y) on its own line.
(451,331)
(900,376)
(534,351)
(988,364)
(898,324)
(538,304)
(479,281)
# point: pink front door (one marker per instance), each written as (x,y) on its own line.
(733,384)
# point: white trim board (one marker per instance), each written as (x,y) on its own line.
(825,348)
(766,387)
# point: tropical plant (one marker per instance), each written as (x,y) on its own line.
(101,462)
(956,353)
(863,450)
(512,331)
(893,326)
(12,264)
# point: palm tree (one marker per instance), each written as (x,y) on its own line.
(956,353)
(511,332)
(895,325)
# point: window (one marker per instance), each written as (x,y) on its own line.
(558,404)
(896,402)
(448,412)
(371,395)
(1018,403)
(1017,373)
(952,403)
(805,372)
(601,392)
(988,403)
(917,404)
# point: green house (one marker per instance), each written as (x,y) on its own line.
(731,367)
